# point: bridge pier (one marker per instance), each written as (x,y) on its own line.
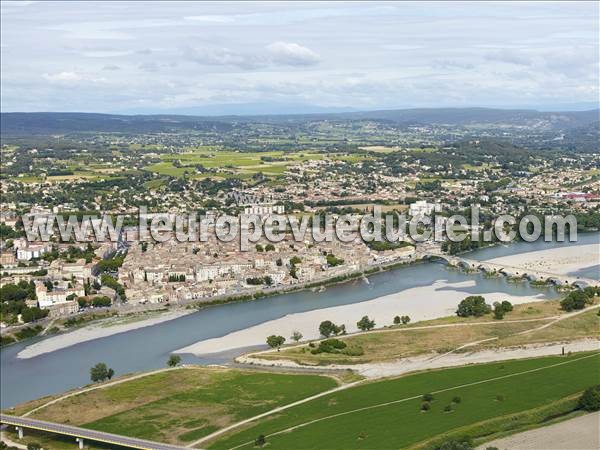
(19,432)
(80,442)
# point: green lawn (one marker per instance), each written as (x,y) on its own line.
(387,414)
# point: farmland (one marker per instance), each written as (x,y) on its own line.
(202,162)
(387,414)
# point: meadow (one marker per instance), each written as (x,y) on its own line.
(449,333)
(182,405)
(387,414)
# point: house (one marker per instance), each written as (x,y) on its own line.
(32,251)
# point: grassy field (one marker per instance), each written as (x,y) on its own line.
(410,340)
(387,414)
(183,405)
(581,326)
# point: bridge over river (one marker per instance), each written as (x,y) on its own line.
(514,271)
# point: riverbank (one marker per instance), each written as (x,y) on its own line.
(97,330)
(413,302)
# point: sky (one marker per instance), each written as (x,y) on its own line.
(190,57)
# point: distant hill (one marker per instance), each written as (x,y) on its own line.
(48,123)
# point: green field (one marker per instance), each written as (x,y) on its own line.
(387,414)
(180,406)
(238,164)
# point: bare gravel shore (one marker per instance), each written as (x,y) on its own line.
(580,433)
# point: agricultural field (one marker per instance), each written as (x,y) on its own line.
(450,333)
(227,164)
(475,401)
(179,406)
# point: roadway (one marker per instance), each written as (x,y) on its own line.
(83,433)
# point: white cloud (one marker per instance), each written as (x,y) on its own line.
(290,53)
(67,77)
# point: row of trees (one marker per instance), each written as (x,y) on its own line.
(475,306)
(328,329)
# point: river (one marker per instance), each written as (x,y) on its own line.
(149,347)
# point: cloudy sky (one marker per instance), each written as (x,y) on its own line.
(186,56)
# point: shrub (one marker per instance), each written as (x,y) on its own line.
(448,408)
(456,399)
(456,445)
(260,441)
(354,351)
(427,397)
(425,406)
(590,399)
(500,398)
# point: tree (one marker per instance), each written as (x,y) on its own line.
(507,306)
(575,300)
(328,328)
(405,320)
(365,324)
(428,397)
(296,336)
(425,406)
(590,399)
(397,320)
(101,372)
(275,341)
(498,313)
(473,305)
(173,360)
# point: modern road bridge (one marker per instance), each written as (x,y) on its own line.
(81,434)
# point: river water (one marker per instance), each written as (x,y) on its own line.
(149,347)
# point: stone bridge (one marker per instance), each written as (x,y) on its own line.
(514,271)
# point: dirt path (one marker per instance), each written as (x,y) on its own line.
(579,433)
(4,437)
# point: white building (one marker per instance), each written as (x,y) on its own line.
(421,208)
